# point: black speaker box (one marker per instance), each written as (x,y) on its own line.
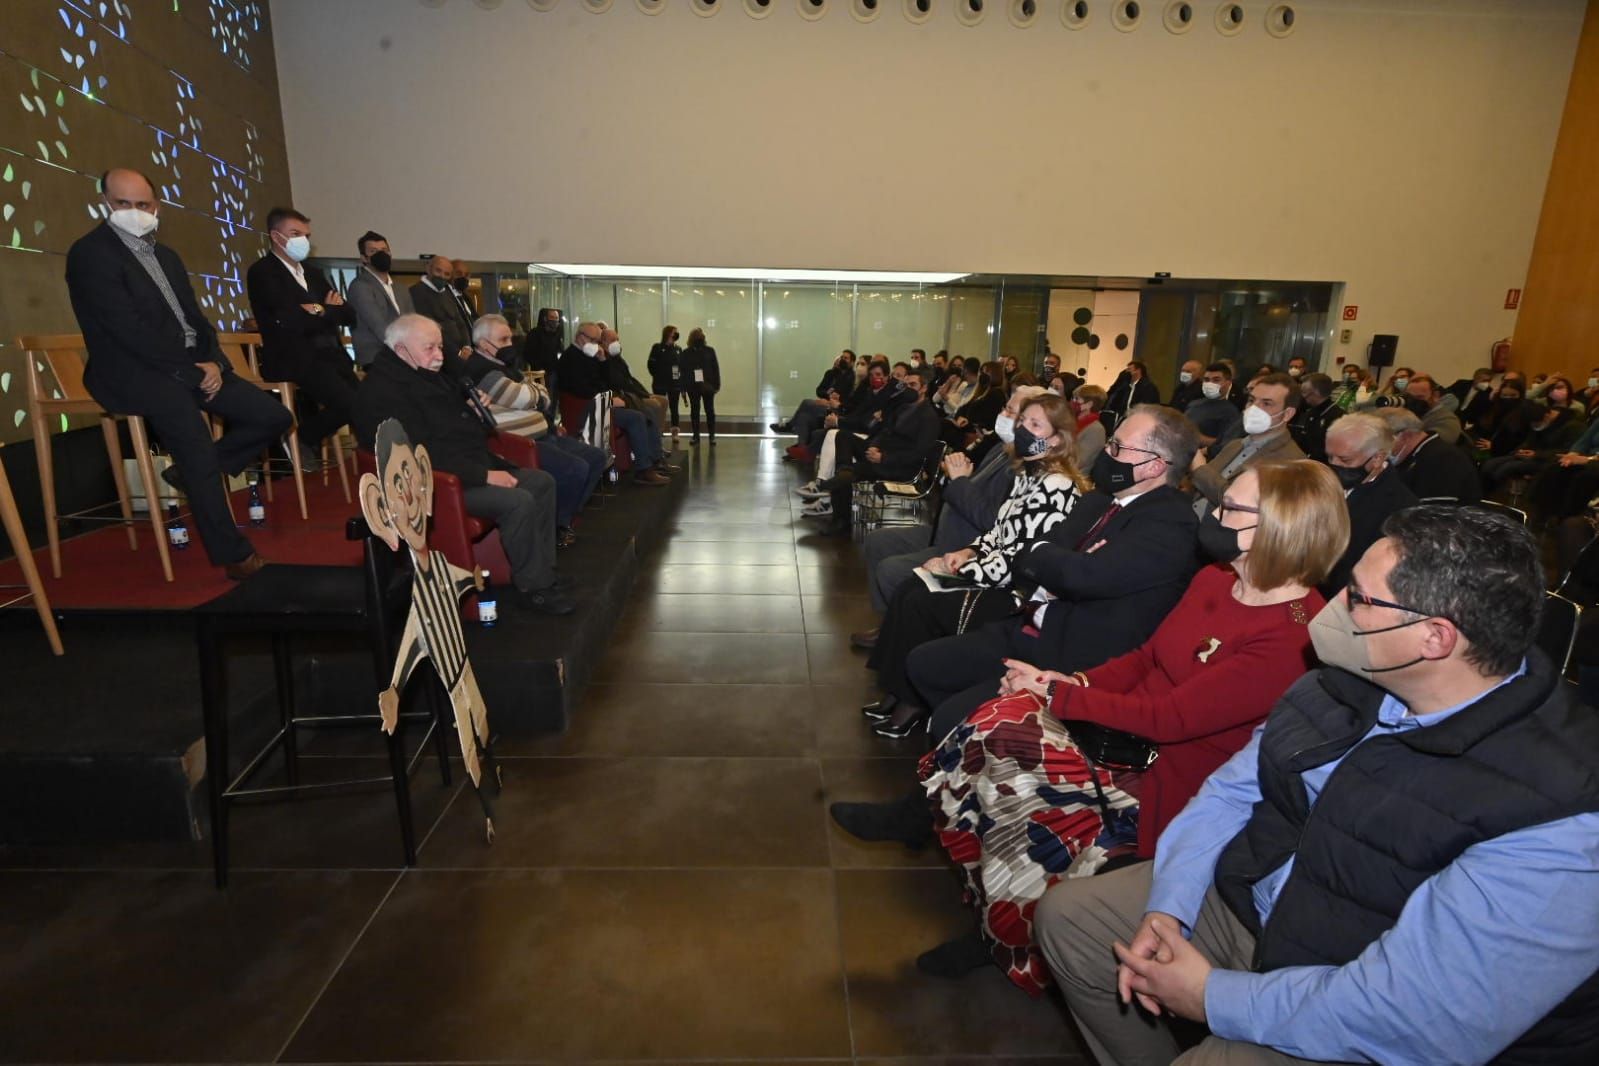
(1383,348)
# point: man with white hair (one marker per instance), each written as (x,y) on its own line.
(1358,446)
(1430,467)
(446,415)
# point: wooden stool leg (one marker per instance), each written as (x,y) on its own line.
(141,454)
(324,457)
(45,460)
(338,455)
(113,450)
(294,450)
(30,573)
(266,475)
(227,489)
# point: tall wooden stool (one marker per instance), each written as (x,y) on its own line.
(240,350)
(65,357)
(30,573)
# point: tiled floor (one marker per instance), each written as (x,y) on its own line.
(665,886)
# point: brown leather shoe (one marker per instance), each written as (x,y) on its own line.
(866,639)
(651,477)
(245,568)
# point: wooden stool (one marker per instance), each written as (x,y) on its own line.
(30,573)
(64,355)
(241,351)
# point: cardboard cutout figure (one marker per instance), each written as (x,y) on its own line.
(397,504)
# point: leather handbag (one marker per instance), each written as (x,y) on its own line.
(1111,748)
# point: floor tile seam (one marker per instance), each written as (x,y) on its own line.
(337,967)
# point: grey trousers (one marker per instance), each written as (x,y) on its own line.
(525,516)
(891,554)
(1076,923)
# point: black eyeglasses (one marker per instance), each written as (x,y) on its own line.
(1224,507)
(1358,598)
(1116,447)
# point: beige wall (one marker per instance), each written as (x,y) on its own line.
(1400,146)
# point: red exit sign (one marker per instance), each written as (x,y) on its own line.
(1512,299)
(1351,312)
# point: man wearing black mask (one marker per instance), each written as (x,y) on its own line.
(374,297)
(435,297)
(894,452)
(543,347)
(1358,447)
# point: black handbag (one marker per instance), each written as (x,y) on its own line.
(1112,748)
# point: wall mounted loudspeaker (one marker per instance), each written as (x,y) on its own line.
(1383,348)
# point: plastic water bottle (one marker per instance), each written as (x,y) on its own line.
(614,475)
(488,608)
(257,508)
(177,530)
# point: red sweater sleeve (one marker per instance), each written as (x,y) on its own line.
(1121,674)
(1239,689)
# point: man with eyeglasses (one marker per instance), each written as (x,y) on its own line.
(1400,867)
(1273,399)
(1098,585)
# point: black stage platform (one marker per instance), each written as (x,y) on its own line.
(104,743)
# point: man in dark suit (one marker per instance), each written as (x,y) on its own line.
(299,313)
(1358,446)
(1103,579)
(1315,415)
(374,297)
(435,296)
(894,452)
(1431,469)
(583,373)
(1131,388)
(153,354)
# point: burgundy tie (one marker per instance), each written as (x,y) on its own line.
(1103,519)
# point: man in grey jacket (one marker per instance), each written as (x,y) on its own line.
(374,297)
(971,501)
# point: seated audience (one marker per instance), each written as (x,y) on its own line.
(1273,399)
(1551,432)
(969,505)
(1190,385)
(541,353)
(1473,396)
(1214,415)
(666,372)
(1501,429)
(153,353)
(895,451)
(1439,406)
(300,314)
(1358,447)
(1297,368)
(1088,401)
(1011,365)
(582,373)
(962,384)
(1391,393)
(1016,821)
(1316,413)
(440,412)
(831,392)
(1400,865)
(1045,487)
(1131,388)
(374,298)
(1564,487)
(576,467)
(1101,582)
(702,380)
(862,413)
(629,389)
(1357,387)
(977,414)
(437,297)
(1431,469)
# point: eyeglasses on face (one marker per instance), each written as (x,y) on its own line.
(1115,447)
(1360,599)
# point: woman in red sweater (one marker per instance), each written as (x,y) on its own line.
(1017,803)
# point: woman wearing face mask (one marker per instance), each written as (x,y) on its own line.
(702,380)
(666,372)
(1087,402)
(976,415)
(1015,798)
(1046,487)
(1524,448)
(1393,388)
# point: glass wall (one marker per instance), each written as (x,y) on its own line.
(971,322)
(726,312)
(891,321)
(803,328)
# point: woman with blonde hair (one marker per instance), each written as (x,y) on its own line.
(977,578)
(1059,775)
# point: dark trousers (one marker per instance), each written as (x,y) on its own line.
(576,468)
(672,396)
(695,398)
(641,441)
(957,675)
(917,616)
(329,380)
(251,418)
(808,418)
(525,516)
(1564,491)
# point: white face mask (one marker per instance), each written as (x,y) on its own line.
(591,349)
(1186,376)
(1211,389)
(133,222)
(1256,420)
(1005,427)
(1484,386)
(1593,383)
(297,248)
(1294,371)
(614,348)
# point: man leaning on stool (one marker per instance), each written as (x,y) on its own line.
(153,354)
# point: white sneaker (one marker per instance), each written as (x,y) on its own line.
(812,490)
(822,508)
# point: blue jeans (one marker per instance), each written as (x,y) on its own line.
(576,468)
(645,445)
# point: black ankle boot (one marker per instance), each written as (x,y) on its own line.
(906,719)
(956,958)
(906,820)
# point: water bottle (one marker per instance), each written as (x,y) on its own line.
(488,608)
(614,475)
(177,531)
(257,508)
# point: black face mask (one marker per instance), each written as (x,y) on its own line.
(552,325)
(1349,476)
(1111,475)
(1028,445)
(1218,541)
(461,284)
(381,261)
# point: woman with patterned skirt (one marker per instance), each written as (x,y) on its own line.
(1018,804)
(1046,488)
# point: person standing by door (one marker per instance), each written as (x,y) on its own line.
(666,372)
(702,378)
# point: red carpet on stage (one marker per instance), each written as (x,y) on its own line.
(100,572)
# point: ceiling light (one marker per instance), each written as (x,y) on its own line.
(605,270)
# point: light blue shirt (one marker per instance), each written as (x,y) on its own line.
(1482,951)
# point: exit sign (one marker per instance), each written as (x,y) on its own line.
(1351,312)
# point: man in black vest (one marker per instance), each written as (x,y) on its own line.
(1401,865)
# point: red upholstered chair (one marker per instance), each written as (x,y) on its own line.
(574,417)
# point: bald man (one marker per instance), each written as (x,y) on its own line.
(153,354)
(435,297)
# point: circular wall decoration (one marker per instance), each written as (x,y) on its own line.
(1093,341)
(598,7)
(705,8)
(1230,19)
(1121,342)
(756,9)
(866,10)
(1074,13)
(1127,14)
(651,7)
(1280,19)
(918,11)
(540,5)
(969,12)
(1080,335)
(1023,12)
(811,10)
(1082,316)
(1179,17)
